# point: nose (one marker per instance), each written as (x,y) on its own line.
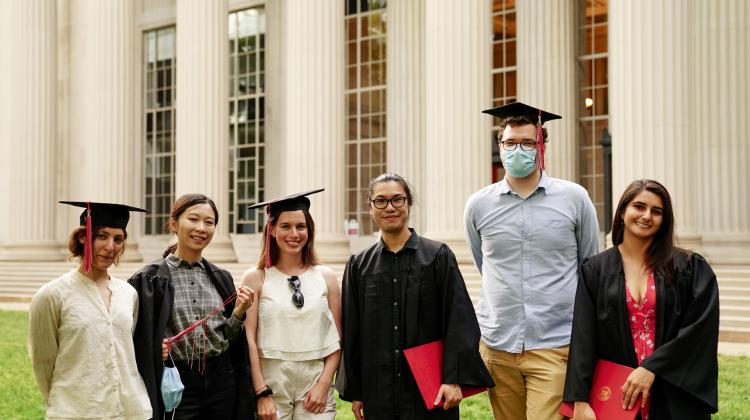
(109,244)
(201,225)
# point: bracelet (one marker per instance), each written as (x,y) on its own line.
(265,393)
(260,388)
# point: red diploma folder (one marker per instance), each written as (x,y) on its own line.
(426,363)
(605,396)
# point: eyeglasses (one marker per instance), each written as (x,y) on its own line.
(526,146)
(297,298)
(396,202)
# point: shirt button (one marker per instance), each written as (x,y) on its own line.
(395,303)
(396,351)
(395,279)
(196,318)
(395,327)
(192,283)
(193,300)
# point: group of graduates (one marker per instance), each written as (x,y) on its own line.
(179,339)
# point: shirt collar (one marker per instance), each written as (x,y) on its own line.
(175,261)
(504,187)
(411,243)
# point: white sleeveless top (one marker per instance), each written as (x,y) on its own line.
(289,333)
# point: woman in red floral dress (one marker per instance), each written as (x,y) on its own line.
(647,304)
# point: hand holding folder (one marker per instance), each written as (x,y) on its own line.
(605,396)
(426,364)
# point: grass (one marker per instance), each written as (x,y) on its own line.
(20,398)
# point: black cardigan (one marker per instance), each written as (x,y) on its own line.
(155,298)
(687,334)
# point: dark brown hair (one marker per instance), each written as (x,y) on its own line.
(662,250)
(518,121)
(309,256)
(76,247)
(390,177)
(180,206)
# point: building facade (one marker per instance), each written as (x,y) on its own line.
(141,101)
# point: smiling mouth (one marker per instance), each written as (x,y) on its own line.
(198,238)
(643,225)
(292,244)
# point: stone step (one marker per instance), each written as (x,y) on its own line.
(736,311)
(734,334)
(734,300)
(734,291)
(732,272)
(729,321)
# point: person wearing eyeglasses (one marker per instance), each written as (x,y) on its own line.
(294,332)
(528,233)
(402,292)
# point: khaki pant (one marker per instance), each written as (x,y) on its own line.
(290,382)
(528,385)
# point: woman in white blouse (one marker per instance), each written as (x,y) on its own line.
(294,333)
(81,326)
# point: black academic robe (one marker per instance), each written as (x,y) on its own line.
(392,302)
(686,338)
(155,298)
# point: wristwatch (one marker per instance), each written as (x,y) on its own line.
(265,393)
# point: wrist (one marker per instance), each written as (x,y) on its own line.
(265,392)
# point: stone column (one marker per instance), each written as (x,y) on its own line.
(547,75)
(458,139)
(202,103)
(305,113)
(650,93)
(406,94)
(101,116)
(721,60)
(30,145)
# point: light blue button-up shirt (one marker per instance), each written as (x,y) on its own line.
(528,252)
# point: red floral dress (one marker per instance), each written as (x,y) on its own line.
(642,317)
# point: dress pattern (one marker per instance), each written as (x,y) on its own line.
(642,319)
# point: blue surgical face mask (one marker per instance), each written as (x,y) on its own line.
(519,163)
(171,388)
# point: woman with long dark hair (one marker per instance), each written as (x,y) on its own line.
(294,331)
(176,294)
(81,326)
(647,304)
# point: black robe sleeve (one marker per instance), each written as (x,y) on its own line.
(582,355)
(462,363)
(155,295)
(350,388)
(688,361)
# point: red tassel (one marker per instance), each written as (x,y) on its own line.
(268,236)
(87,248)
(540,142)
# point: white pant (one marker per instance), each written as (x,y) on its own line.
(290,382)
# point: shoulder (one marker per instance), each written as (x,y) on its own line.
(218,270)
(329,276)
(480,196)
(252,278)
(50,290)
(567,188)
(608,259)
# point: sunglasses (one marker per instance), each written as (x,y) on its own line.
(297,298)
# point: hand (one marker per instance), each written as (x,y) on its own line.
(245,299)
(452,395)
(639,382)
(583,411)
(358,410)
(266,408)
(164,350)
(316,399)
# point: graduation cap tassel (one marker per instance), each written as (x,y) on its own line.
(87,248)
(540,142)
(268,236)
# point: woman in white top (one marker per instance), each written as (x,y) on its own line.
(81,326)
(293,334)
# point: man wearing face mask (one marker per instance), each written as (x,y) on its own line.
(527,235)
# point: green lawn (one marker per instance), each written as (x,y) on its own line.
(20,399)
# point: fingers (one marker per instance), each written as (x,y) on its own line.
(439,397)
(645,398)
(357,409)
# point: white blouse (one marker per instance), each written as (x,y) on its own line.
(82,352)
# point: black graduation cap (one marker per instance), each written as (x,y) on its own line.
(518,109)
(101,215)
(539,116)
(105,214)
(293,202)
(298,201)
